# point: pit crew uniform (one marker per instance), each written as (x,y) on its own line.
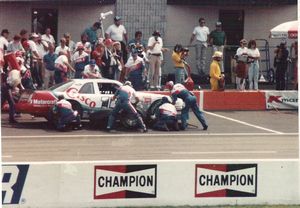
(124,95)
(66,115)
(166,116)
(179,91)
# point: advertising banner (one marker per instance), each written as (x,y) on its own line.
(150,183)
(281,99)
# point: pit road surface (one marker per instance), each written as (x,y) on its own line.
(231,135)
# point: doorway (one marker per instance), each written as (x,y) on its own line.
(233,26)
(44,18)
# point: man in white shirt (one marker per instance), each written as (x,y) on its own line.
(155,45)
(117,32)
(3,46)
(201,33)
(48,37)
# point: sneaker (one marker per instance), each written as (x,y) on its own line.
(205,128)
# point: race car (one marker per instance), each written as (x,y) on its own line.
(92,98)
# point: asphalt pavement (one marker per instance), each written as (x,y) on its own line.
(231,135)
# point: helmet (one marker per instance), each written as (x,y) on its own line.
(128,83)
(169,85)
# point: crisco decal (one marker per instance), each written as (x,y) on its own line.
(73,93)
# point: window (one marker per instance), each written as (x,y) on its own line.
(87,88)
(107,88)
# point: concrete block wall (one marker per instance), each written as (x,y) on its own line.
(143,15)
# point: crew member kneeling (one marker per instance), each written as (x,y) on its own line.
(124,95)
(166,116)
(65,114)
(179,91)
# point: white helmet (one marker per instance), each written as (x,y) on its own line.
(128,83)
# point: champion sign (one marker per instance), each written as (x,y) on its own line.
(125,181)
(221,180)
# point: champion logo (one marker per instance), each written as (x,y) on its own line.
(125,181)
(226,180)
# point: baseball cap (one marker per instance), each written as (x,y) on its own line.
(92,62)
(217,54)
(218,23)
(4,31)
(117,18)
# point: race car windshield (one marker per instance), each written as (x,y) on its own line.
(61,87)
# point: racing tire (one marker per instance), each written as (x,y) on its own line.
(151,112)
(129,121)
(76,107)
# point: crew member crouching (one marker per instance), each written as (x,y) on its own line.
(166,117)
(65,115)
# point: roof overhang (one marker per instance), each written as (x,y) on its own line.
(77,2)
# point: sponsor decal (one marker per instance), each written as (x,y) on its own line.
(13,180)
(125,181)
(226,180)
(43,102)
(74,94)
(281,99)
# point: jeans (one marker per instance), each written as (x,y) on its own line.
(253,74)
(201,56)
(190,102)
(179,75)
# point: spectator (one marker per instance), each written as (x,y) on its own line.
(242,67)
(91,33)
(49,64)
(63,48)
(155,45)
(166,116)
(294,56)
(215,71)
(15,45)
(84,41)
(80,60)
(36,59)
(117,32)
(91,71)
(63,66)
(201,33)
(98,53)
(177,58)
(253,72)
(3,47)
(135,67)
(217,39)
(48,37)
(70,43)
(189,99)
(24,35)
(117,59)
(42,48)
(137,40)
(281,64)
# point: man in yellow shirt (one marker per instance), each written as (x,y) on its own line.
(215,71)
(177,57)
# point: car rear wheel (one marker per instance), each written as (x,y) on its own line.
(152,111)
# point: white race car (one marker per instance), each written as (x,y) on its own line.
(92,98)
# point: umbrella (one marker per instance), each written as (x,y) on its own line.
(285,30)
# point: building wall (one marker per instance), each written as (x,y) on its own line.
(175,22)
